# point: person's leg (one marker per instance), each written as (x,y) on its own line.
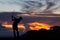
(14,33)
(17,32)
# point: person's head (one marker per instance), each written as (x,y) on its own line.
(21,18)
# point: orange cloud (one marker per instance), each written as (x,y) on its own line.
(7,25)
(38,26)
(32,26)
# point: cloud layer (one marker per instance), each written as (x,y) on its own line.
(28,5)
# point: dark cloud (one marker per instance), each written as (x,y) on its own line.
(49,5)
(39,6)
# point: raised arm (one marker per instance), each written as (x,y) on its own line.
(13,18)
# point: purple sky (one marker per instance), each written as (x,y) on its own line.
(48,20)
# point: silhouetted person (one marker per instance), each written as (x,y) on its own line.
(15,25)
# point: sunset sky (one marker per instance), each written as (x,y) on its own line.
(33,11)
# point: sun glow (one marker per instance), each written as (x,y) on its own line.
(38,26)
(56,12)
(32,26)
(20,26)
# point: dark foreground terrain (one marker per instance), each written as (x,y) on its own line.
(41,34)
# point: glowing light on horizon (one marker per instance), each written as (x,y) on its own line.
(32,26)
(38,26)
(56,12)
(9,26)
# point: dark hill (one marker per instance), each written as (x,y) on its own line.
(41,34)
(55,33)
